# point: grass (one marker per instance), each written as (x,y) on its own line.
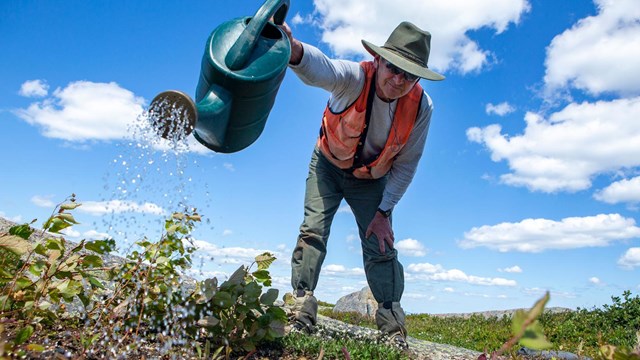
(581,332)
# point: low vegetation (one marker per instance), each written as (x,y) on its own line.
(60,298)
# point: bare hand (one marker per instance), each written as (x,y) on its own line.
(296,45)
(380,226)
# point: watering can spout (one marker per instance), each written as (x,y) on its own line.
(242,68)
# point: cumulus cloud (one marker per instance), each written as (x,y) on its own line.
(343,26)
(622,191)
(501,109)
(599,53)
(537,235)
(99,208)
(84,111)
(513,269)
(438,273)
(564,152)
(43,201)
(230,255)
(630,259)
(34,88)
(594,280)
(411,247)
(341,270)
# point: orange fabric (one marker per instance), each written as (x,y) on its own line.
(341,132)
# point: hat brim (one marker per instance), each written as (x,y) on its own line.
(401,62)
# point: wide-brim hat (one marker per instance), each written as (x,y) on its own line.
(408,48)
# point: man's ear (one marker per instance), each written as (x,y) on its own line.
(376,61)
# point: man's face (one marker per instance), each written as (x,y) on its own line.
(391,82)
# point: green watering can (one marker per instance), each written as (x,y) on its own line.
(243,65)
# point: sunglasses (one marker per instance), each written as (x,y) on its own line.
(396,70)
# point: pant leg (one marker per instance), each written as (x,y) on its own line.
(322,198)
(385,274)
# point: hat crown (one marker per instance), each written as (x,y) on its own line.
(410,42)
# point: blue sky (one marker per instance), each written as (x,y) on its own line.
(530,180)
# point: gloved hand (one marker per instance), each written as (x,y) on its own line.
(380,226)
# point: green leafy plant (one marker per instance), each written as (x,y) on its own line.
(237,314)
(146,296)
(46,275)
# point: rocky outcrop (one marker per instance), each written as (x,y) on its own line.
(361,302)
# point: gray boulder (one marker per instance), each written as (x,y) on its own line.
(361,302)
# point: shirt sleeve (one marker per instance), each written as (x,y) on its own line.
(406,163)
(342,78)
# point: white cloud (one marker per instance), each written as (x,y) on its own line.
(501,109)
(411,247)
(630,259)
(43,201)
(98,208)
(345,209)
(594,280)
(450,22)
(448,289)
(227,232)
(34,88)
(230,255)
(334,269)
(229,167)
(599,53)
(563,152)
(84,111)
(438,273)
(626,190)
(536,235)
(513,269)
(70,232)
(95,235)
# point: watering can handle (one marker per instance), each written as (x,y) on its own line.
(242,48)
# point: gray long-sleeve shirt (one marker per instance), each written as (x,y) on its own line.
(345,80)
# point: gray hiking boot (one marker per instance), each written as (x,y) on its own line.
(398,340)
(302,311)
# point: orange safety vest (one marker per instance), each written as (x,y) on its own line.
(342,135)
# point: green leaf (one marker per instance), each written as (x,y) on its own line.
(265,260)
(534,338)
(36,268)
(251,292)
(54,244)
(209,288)
(236,278)
(101,246)
(24,334)
(15,244)
(35,347)
(222,299)
(208,321)
(92,261)
(95,282)
(69,206)
(23,231)
(261,275)
(67,217)
(55,224)
(269,297)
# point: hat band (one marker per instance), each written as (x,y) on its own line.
(407,55)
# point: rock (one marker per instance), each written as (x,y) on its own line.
(361,302)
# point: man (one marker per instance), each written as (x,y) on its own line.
(372,136)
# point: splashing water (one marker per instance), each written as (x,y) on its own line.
(151,178)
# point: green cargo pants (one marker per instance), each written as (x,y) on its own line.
(326,186)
